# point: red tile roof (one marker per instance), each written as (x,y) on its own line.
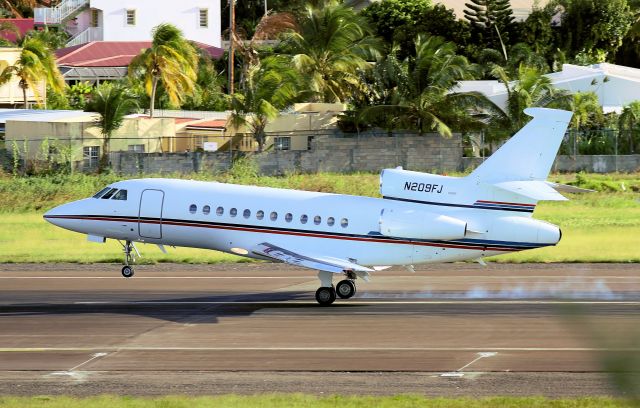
(23,25)
(112,53)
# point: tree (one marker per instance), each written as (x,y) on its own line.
(52,38)
(112,102)
(171,60)
(330,48)
(493,19)
(399,22)
(35,64)
(424,99)
(629,124)
(586,108)
(528,89)
(594,26)
(268,87)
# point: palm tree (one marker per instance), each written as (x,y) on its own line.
(629,121)
(112,102)
(332,45)
(424,98)
(268,87)
(584,105)
(529,89)
(171,60)
(35,64)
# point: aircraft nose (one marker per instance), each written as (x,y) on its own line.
(57,215)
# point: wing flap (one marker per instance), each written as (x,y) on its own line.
(536,190)
(322,263)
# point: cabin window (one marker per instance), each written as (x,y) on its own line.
(344,223)
(246,213)
(131,17)
(233,212)
(304,219)
(260,214)
(206,210)
(101,192)
(120,195)
(288,217)
(109,194)
(273,216)
(331,221)
(219,211)
(193,208)
(317,220)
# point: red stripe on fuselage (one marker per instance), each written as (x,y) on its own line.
(294,233)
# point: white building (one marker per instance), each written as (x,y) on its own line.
(133,20)
(615,85)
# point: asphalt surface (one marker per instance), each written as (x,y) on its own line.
(461,329)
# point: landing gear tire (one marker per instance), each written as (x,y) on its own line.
(345,289)
(325,296)
(127,271)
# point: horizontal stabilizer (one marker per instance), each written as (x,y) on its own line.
(536,190)
(564,188)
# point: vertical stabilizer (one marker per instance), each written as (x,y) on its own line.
(530,153)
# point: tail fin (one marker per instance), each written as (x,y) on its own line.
(530,153)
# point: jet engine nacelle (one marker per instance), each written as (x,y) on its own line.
(421,225)
(523,229)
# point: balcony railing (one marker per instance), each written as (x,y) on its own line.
(88,35)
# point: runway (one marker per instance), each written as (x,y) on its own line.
(460,329)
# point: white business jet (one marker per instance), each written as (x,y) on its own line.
(420,218)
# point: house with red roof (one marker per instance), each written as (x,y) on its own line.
(23,25)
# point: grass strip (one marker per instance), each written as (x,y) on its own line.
(308,401)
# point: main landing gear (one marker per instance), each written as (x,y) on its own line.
(127,270)
(326,294)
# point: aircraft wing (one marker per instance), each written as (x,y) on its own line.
(322,263)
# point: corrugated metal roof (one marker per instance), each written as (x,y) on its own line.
(208,124)
(112,53)
(22,24)
(29,115)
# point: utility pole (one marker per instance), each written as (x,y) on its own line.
(232,30)
(265,8)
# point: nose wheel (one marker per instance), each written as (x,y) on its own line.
(127,271)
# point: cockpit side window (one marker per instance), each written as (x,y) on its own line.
(101,192)
(109,194)
(120,195)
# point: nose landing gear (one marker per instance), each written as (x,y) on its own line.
(129,257)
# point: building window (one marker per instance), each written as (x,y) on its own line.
(331,221)
(90,156)
(206,210)
(94,18)
(131,17)
(260,215)
(282,143)
(204,18)
(136,148)
(193,208)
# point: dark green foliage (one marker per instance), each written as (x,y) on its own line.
(594,28)
(399,22)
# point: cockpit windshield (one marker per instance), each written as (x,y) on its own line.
(101,192)
(109,194)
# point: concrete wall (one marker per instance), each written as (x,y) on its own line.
(328,153)
(589,164)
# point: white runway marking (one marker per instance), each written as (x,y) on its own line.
(95,356)
(158,277)
(332,349)
(459,373)
(78,376)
